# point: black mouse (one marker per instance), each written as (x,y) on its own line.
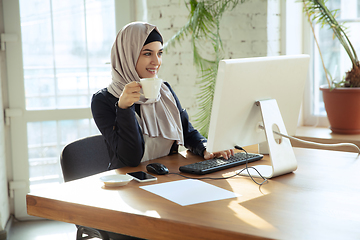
(157,168)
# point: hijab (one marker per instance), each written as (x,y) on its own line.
(159,117)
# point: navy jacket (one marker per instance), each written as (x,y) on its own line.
(123,135)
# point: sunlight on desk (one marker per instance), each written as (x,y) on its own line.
(247,192)
(250,218)
(90,191)
(152,213)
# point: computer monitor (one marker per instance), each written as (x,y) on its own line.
(235,116)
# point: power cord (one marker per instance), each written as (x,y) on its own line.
(247,168)
(203,178)
(236,174)
(320,144)
(315,143)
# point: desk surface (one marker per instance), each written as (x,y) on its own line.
(320,200)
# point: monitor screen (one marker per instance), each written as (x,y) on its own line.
(240,84)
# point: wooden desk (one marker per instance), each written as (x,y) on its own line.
(320,200)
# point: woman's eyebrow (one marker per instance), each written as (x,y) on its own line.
(149,50)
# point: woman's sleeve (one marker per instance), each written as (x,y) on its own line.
(193,140)
(120,130)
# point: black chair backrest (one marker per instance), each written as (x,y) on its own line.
(84,157)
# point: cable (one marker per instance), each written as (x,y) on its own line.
(236,174)
(315,143)
(202,178)
(320,144)
(247,168)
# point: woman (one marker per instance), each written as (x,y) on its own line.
(137,129)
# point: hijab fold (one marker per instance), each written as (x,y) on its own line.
(159,117)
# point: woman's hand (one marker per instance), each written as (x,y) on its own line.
(226,154)
(130,95)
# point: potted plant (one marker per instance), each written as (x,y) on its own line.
(342,98)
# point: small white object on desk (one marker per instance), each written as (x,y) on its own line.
(116,180)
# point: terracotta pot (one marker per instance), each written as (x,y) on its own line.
(342,106)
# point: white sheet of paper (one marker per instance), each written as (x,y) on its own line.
(187,192)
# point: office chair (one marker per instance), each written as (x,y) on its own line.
(82,158)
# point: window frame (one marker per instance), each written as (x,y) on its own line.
(309,118)
(312,86)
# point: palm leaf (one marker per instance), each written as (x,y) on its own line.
(204,26)
(320,14)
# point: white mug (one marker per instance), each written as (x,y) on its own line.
(151,87)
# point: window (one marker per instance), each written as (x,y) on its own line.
(335,58)
(66,47)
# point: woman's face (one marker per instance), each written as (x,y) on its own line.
(150,60)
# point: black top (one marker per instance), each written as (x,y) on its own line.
(123,135)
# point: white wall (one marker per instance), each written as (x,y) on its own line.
(244,33)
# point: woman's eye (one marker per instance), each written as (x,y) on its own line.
(160,53)
(147,54)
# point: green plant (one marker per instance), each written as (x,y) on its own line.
(203,27)
(317,12)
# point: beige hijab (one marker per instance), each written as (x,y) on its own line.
(160,117)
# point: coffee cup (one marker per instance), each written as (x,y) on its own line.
(151,87)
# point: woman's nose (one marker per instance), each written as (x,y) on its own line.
(156,60)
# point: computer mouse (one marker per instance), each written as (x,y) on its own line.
(157,168)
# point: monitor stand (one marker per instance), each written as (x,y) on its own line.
(281,153)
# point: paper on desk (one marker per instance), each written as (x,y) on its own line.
(187,192)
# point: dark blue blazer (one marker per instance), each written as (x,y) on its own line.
(123,135)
